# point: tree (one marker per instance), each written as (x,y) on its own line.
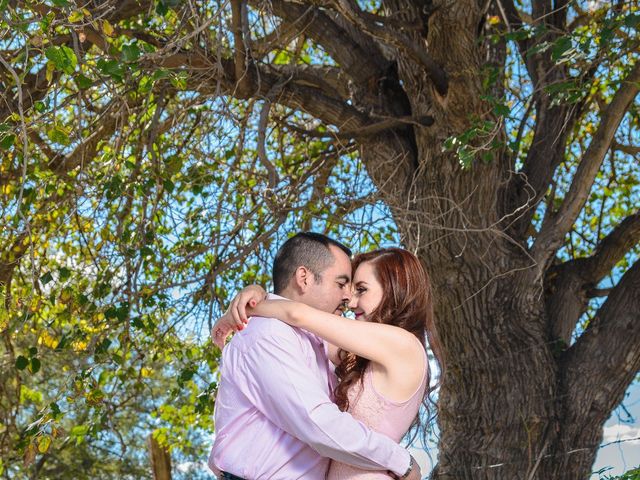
(164,146)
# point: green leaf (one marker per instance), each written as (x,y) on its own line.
(560,86)
(79,432)
(55,409)
(145,85)
(83,82)
(63,58)
(46,278)
(560,47)
(34,367)
(466,158)
(64,273)
(103,346)
(7,141)
(162,8)
(58,135)
(112,68)
(39,106)
(33,351)
(180,80)
(501,110)
(137,322)
(60,3)
(130,53)
(160,73)
(168,185)
(21,362)
(632,20)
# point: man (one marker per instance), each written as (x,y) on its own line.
(274,417)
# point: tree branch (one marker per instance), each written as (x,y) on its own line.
(329,79)
(513,19)
(571,284)
(374,84)
(610,250)
(628,149)
(358,63)
(599,367)
(399,40)
(220,78)
(244,64)
(556,226)
(282,35)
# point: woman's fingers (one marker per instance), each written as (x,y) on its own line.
(242,307)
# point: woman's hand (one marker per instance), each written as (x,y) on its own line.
(235,318)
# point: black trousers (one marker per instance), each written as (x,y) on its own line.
(230,476)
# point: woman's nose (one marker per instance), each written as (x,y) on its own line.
(353,302)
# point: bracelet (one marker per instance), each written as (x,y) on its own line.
(412,464)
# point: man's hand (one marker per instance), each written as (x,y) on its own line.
(415,474)
(235,318)
(216,471)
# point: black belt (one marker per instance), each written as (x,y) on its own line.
(230,476)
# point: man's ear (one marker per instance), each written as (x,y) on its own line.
(303,278)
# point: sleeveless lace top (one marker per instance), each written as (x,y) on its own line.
(381,415)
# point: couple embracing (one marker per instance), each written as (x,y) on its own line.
(306,393)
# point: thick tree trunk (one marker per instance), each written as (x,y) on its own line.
(506,407)
(504,410)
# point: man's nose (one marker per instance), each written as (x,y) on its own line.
(346,296)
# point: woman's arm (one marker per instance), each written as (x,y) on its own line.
(383,344)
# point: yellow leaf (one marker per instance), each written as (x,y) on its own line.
(48,340)
(49,73)
(79,346)
(44,443)
(107,28)
(76,16)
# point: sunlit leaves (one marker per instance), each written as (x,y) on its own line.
(59,135)
(63,58)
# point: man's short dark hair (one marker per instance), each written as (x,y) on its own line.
(307,249)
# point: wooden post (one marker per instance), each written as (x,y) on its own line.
(160,460)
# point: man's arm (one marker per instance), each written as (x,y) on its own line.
(288,392)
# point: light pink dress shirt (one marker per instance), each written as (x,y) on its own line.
(274,417)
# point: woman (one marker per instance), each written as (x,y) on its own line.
(381,358)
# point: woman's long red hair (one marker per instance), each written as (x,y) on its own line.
(406,303)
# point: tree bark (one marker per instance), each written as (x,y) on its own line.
(160,460)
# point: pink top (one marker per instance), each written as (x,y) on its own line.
(380,414)
(274,417)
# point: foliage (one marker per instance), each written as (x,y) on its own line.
(135,197)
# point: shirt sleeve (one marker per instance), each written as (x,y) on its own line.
(283,388)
